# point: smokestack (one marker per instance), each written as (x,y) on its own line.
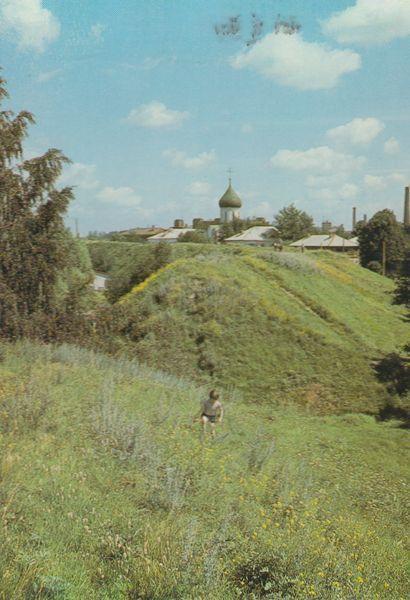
(406,218)
(354,218)
(364,218)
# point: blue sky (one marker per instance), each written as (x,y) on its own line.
(153,107)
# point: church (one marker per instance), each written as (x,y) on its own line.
(230,205)
(229,210)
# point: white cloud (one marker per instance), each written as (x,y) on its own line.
(121,196)
(199,188)
(152,62)
(291,61)
(28,23)
(181,159)
(329,180)
(48,75)
(378,182)
(97,31)
(391,146)
(80,175)
(398,177)
(348,191)
(375,182)
(320,159)
(156,114)
(370,22)
(357,132)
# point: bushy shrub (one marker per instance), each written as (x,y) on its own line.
(375,266)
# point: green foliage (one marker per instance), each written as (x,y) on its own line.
(112,494)
(293,224)
(402,292)
(229,229)
(195,237)
(382,228)
(35,248)
(127,273)
(375,266)
(129,263)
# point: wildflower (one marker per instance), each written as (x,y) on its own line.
(360,579)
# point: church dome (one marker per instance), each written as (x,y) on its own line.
(230,199)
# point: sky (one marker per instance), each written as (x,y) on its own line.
(154,101)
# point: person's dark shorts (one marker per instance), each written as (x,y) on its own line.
(211,418)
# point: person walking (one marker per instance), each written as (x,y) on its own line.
(212,412)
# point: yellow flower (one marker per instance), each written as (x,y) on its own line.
(359,579)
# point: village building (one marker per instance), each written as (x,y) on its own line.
(230,205)
(141,232)
(170,236)
(326,242)
(256,236)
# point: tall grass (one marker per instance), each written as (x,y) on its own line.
(112,494)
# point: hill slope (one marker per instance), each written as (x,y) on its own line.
(280,327)
(106,491)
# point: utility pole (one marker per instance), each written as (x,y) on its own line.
(384,257)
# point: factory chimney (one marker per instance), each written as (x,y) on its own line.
(364,219)
(406,217)
(354,218)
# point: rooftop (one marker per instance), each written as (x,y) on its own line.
(258,233)
(230,199)
(172,233)
(326,241)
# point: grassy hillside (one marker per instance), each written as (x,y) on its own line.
(279,327)
(107,492)
(110,257)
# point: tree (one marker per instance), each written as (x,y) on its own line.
(194,237)
(233,227)
(33,247)
(382,230)
(357,229)
(401,294)
(293,224)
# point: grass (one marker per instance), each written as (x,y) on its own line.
(282,328)
(106,490)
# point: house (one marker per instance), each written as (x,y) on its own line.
(256,236)
(326,241)
(170,236)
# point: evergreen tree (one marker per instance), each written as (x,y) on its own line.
(32,250)
(382,228)
(293,224)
